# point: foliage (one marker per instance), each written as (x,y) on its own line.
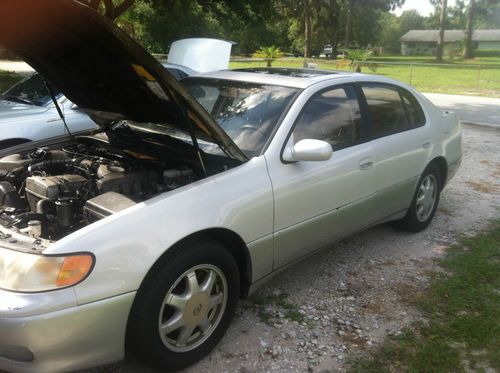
(8,79)
(487,53)
(269,306)
(410,20)
(268,54)
(157,27)
(355,57)
(389,31)
(110,8)
(462,309)
(157,23)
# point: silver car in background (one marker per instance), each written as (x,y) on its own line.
(142,237)
(28,112)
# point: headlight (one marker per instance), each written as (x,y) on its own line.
(25,272)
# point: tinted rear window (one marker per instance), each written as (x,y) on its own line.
(416,115)
(387,111)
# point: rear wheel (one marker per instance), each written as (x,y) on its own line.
(425,201)
(185,306)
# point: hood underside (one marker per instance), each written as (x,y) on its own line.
(100,68)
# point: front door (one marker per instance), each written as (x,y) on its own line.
(317,202)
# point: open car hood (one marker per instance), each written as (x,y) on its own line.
(102,69)
(201,54)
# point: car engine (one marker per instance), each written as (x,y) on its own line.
(51,192)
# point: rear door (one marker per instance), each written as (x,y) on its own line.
(401,144)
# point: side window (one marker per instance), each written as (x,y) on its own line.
(331,116)
(416,115)
(386,109)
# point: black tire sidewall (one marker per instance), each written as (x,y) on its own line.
(142,335)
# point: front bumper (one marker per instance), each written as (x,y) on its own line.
(72,338)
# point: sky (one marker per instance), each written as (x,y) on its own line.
(424,7)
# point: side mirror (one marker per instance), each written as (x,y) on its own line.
(308,150)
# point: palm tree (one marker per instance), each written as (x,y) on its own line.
(355,59)
(268,54)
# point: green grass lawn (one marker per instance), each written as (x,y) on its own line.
(462,307)
(455,79)
(7,79)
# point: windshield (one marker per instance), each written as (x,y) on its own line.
(32,91)
(248,112)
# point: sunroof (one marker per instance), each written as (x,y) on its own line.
(296,73)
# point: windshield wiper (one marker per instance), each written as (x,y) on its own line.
(17,99)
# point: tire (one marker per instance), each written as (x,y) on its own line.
(177,317)
(425,201)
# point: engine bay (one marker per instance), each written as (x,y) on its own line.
(51,192)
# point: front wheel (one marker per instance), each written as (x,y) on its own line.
(184,306)
(425,201)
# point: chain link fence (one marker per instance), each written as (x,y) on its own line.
(469,79)
(446,78)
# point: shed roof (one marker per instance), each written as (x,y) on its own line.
(449,35)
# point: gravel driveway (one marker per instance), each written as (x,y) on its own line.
(346,299)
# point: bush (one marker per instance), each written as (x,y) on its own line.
(487,53)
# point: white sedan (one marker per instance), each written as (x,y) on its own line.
(141,238)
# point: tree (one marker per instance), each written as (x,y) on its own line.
(468,49)
(111,9)
(349,7)
(268,54)
(157,26)
(302,12)
(487,14)
(158,23)
(365,5)
(410,20)
(442,25)
(389,31)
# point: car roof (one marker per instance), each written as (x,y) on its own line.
(296,78)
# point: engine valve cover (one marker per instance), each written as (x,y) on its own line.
(51,187)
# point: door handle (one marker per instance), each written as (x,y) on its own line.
(366,163)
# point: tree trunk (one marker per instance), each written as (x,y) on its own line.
(442,24)
(348,23)
(468,47)
(307,28)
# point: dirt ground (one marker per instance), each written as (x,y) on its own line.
(345,300)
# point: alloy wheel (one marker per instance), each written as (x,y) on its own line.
(426,197)
(192,308)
